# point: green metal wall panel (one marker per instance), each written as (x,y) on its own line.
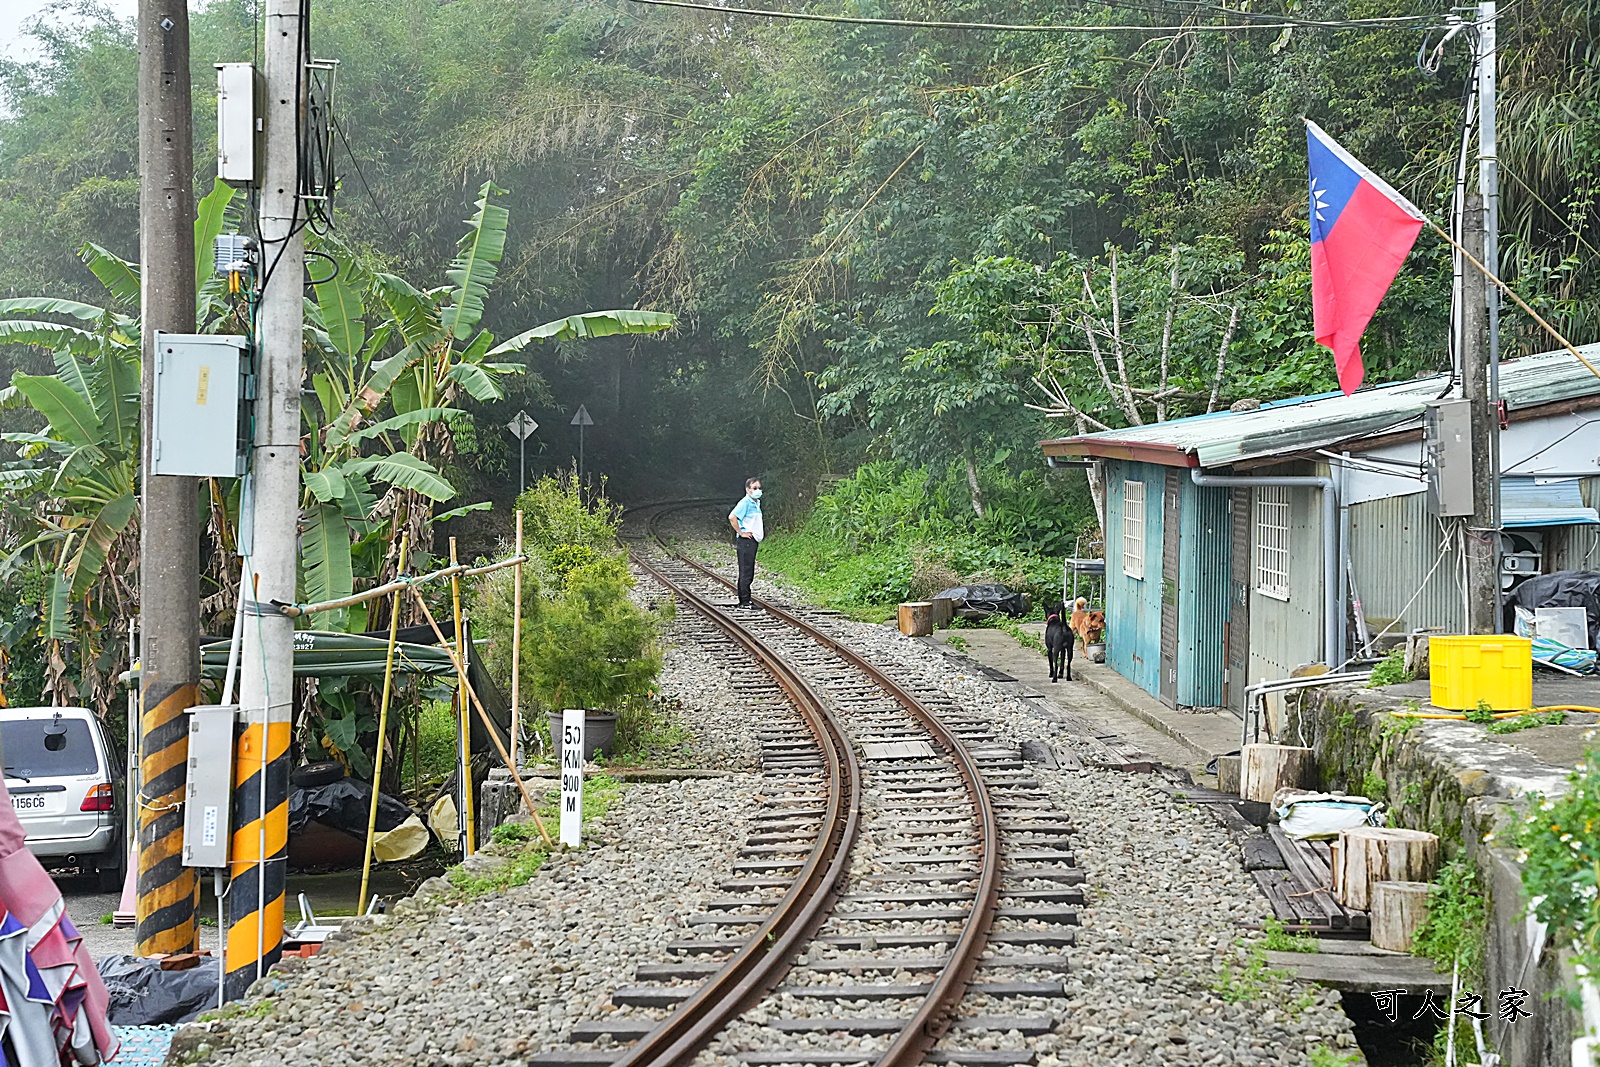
(1133,606)
(1205,555)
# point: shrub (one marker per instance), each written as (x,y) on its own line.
(594,647)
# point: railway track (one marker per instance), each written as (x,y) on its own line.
(904,896)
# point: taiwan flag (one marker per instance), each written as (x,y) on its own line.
(1361,231)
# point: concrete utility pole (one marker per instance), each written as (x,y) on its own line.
(1483,579)
(1489,190)
(266,686)
(169,530)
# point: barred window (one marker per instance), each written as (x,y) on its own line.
(1133,529)
(1272,541)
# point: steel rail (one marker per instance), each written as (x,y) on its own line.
(937,1010)
(764,959)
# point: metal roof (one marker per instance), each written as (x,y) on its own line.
(1289,426)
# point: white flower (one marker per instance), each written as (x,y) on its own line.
(1547,806)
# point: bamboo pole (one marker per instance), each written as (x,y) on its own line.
(1506,289)
(294,611)
(487,723)
(383,735)
(516,648)
(467,801)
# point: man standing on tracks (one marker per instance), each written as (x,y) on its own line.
(745,518)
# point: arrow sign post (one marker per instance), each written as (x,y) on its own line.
(522,425)
(580,420)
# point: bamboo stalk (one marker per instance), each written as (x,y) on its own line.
(488,723)
(294,611)
(516,648)
(383,735)
(467,800)
(1506,289)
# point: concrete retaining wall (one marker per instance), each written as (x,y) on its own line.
(1447,778)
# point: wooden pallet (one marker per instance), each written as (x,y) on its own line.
(1299,893)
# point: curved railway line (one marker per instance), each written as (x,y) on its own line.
(898,839)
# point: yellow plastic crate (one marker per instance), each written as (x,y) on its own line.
(1489,667)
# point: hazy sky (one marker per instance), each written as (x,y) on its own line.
(14,14)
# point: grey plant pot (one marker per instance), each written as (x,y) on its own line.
(599,730)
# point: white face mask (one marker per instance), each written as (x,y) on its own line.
(755,494)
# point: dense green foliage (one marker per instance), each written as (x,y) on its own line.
(879,236)
(1560,842)
(892,533)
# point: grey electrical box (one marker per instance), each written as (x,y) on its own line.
(240,133)
(210,792)
(1447,456)
(199,416)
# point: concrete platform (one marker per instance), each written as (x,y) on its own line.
(1099,694)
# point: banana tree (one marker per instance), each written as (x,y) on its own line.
(79,470)
(388,400)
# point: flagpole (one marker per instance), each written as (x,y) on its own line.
(1506,289)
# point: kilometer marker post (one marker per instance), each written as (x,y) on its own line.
(572,726)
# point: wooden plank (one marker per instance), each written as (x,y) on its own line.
(1278,887)
(1312,888)
(1362,974)
(1260,853)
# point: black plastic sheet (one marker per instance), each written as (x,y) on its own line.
(343,804)
(1563,589)
(996,599)
(142,994)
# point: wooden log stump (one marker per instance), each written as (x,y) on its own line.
(916,618)
(1369,854)
(1228,775)
(944,609)
(1265,769)
(1398,911)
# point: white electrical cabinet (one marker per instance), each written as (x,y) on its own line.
(199,417)
(240,133)
(1447,455)
(206,823)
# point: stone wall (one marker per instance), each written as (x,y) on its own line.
(1447,777)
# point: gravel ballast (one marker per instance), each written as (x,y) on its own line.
(448,981)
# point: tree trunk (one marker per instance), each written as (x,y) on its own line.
(916,618)
(1370,854)
(1265,769)
(972,484)
(1228,775)
(1398,911)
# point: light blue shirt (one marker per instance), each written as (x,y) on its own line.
(747,513)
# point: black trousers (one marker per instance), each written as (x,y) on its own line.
(747,566)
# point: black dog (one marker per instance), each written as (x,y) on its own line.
(1058,642)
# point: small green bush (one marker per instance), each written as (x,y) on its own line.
(1560,842)
(1391,670)
(1457,923)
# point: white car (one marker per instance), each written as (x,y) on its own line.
(65,788)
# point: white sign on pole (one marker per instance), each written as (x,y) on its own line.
(571,777)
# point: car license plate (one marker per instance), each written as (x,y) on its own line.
(33,803)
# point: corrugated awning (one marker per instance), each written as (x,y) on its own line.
(1538,502)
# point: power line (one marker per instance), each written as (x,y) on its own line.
(807,16)
(338,128)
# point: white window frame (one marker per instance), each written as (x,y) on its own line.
(1271,517)
(1133,504)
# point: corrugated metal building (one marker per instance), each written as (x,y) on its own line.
(1210,588)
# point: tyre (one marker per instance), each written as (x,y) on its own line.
(310,775)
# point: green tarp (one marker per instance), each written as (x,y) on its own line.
(317,652)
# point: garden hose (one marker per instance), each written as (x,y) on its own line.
(1460,716)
